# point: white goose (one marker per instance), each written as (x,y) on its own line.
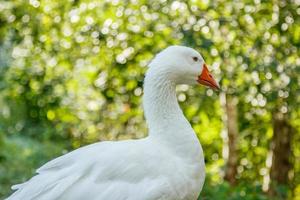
(168,164)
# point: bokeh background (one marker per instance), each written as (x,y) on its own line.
(71,73)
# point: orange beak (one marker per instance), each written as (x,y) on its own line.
(207,79)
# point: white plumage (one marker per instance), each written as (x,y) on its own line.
(168,164)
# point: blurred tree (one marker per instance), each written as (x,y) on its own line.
(287,94)
(232,129)
(282,149)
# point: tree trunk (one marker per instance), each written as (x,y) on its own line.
(282,152)
(232,131)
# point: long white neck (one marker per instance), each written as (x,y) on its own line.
(164,117)
(160,102)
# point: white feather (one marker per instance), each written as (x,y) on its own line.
(168,164)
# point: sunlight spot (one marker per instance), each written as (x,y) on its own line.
(284,26)
(209,92)
(181,97)
(25,18)
(283,109)
(205,30)
(138,91)
(89,20)
(34,3)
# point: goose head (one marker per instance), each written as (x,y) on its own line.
(183,65)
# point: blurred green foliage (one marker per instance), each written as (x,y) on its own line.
(71,73)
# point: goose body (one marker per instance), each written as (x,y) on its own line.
(167,164)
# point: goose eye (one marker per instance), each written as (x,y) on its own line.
(195,59)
